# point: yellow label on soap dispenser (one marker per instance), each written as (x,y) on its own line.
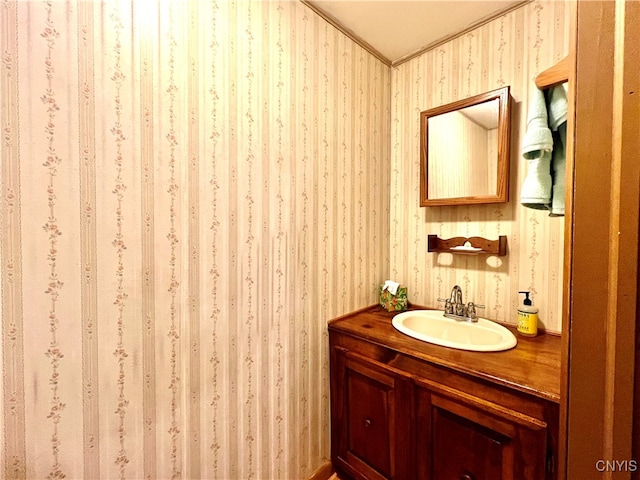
(527,323)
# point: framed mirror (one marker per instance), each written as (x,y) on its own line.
(464,151)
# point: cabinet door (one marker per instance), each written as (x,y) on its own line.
(371,418)
(466,438)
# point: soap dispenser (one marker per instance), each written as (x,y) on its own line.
(527,318)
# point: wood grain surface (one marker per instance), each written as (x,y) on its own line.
(533,366)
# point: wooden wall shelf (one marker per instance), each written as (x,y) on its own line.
(479,245)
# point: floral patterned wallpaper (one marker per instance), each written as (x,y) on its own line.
(190,190)
(510,50)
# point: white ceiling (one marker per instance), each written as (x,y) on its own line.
(399,28)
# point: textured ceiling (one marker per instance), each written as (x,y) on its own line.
(399,28)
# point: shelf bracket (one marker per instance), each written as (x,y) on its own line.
(478,245)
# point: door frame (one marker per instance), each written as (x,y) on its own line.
(601,369)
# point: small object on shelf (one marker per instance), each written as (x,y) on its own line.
(468,245)
(466,248)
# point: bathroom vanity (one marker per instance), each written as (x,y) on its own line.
(402,408)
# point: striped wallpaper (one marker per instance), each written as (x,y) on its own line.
(190,190)
(510,50)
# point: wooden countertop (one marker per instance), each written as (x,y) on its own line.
(532,366)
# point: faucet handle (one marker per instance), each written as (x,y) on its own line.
(448,306)
(471,309)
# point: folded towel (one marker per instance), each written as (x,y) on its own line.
(544,185)
(537,138)
(558,106)
(559,163)
(537,186)
(536,147)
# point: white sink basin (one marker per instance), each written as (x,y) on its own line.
(433,327)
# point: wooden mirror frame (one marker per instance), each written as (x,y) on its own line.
(504,135)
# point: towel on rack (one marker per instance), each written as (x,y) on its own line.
(559,164)
(537,138)
(558,107)
(536,148)
(537,187)
(544,148)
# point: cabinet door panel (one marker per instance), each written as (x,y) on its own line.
(467,443)
(371,418)
(370,406)
(467,451)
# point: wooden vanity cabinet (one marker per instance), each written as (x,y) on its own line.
(397,416)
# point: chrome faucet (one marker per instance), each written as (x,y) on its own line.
(455,308)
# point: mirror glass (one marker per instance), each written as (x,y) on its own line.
(465,151)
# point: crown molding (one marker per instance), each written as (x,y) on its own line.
(349,33)
(394,63)
(452,36)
